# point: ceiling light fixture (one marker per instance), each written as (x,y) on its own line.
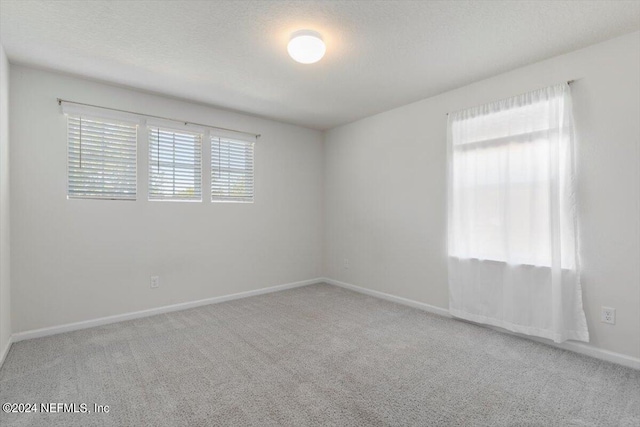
(306,46)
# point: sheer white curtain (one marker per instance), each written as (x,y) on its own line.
(513,247)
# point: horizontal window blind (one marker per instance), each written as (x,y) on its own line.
(175,165)
(101,159)
(231,170)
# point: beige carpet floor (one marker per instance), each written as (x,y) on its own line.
(317,355)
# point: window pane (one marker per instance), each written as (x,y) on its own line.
(231,170)
(101,159)
(501,202)
(175,165)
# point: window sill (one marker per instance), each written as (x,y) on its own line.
(505,263)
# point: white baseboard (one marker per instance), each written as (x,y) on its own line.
(577,347)
(588,350)
(68,327)
(5,351)
(404,301)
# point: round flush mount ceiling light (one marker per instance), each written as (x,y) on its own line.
(306,46)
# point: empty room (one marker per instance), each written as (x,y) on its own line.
(319,213)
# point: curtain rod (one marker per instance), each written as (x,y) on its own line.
(568,82)
(256,135)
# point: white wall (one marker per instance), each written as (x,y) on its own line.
(74,260)
(385,198)
(5,275)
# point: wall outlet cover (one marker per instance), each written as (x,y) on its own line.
(608,315)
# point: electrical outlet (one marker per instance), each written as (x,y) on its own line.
(345,263)
(608,315)
(155,282)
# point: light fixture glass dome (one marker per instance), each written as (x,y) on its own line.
(306,46)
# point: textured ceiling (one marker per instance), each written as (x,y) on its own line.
(233,54)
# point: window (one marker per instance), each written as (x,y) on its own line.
(101,158)
(502,185)
(509,174)
(513,246)
(175,165)
(231,170)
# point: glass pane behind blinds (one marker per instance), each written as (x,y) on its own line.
(101,159)
(231,170)
(175,165)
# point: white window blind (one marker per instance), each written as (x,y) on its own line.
(231,170)
(175,165)
(101,158)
